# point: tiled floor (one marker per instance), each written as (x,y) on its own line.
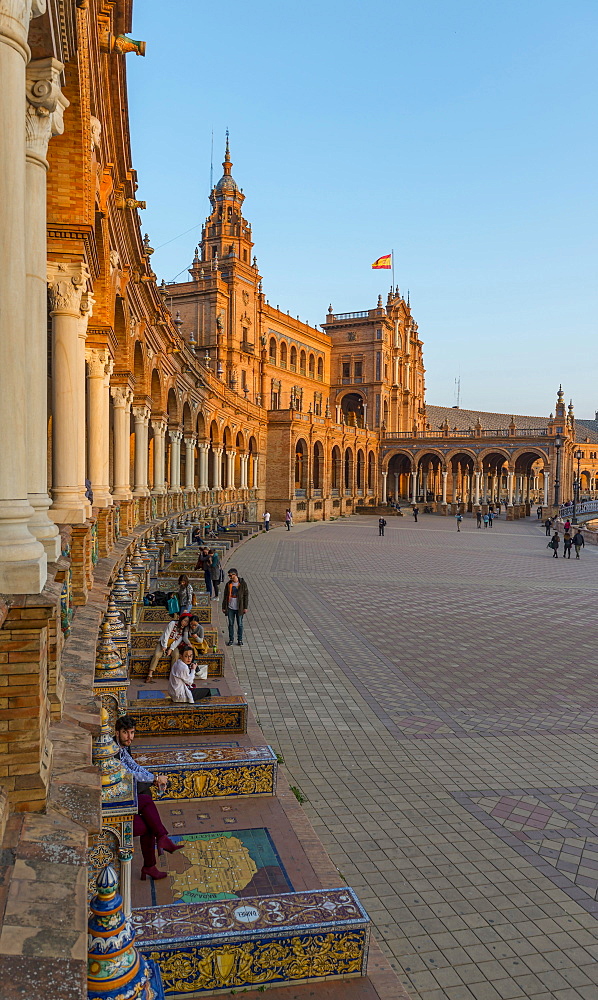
(434,696)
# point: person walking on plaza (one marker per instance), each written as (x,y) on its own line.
(266,519)
(235,602)
(486,519)
(381,525)
(169,641)
(579,542)
(288,518)
(147,824)
(478,517)
(554,545)
(185,593)
(459,518)
(216,572)
(490,518)
(539,513)
(415,512)
(567,543)
(548,526)
(567,525)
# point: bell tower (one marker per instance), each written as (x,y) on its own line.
(226,236)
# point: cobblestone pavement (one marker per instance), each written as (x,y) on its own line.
(434,696)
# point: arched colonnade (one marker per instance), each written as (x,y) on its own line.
(341,470)
(466,476)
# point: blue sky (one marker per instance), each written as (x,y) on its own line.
(463,135)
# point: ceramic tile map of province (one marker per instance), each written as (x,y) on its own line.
(223,865)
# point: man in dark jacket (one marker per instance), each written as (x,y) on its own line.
(579,542)
(235,601)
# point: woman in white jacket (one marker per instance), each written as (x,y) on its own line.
(181,682)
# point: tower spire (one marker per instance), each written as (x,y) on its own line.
(227,164)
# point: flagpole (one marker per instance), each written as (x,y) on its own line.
(392,257)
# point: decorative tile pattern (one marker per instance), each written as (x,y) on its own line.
(222,715)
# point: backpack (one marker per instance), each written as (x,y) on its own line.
(173,605)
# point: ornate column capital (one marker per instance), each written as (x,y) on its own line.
(158,426)
(46,105)
(203,445)
(98,360)
(190,442)
(15,16)
(141,413)
(175,435)
(122,396)
(68,283)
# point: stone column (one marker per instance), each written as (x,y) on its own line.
(244,461)
(396,475)
(70,310)
(256,471)
(230,470)
(190,463)
(98,365)
(217,468)
(159,429)
(476,479)
(122,397)
(44,118)
(384,475)
(22,557)
(510,486)
(546,482)
(141,419)
(444,479)
(204,449)
(414,485)
(175,461)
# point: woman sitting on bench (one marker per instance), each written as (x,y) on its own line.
(181,682)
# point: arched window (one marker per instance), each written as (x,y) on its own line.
(336,468)
(272,351)
(318,465)
(360,464)
(293,364)
(283,355)
(302,363)
(320,369)
(301,465)
(371,470)
(312,366)
(348,469)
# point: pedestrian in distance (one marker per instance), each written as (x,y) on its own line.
(266,520)
(486,520)
(567,525)
(203,563)
(168,643)
(548,526)
(554,545)
(185,595)
(216,572)
(415,512)
(478,517)
(490,518)
(381,525)
(567,543)
(288,518)
(539,513)
(459,518)
(579,542)
(235,602)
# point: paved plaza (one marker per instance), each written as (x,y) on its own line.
(433,694)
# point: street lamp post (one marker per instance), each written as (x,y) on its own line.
(557,479)
(576,485)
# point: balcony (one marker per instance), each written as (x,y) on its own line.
(247,347)
(342,316)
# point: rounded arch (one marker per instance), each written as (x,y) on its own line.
(139,368)
(429,464)
(187,419)
(301,464)
(172,408)
(336,463)
(348,469)
(156,392)
(371,470)
(252,446)
(311,366)
(293,358)
(395,458)
(399,466)
(360,469)
(432,452)
(527,456)
(240,441)
(200,426)
(227,438)
(455,452)
(302,361)
(320,369)
(214,433)
(283,354)
(353,409)
(272,352)
(318,465)
(491,454)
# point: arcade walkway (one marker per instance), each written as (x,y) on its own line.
(434,697)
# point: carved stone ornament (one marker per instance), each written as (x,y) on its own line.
(121,395)
(97,361)
(46,104)
(67,283)
(114,261)
(96,132)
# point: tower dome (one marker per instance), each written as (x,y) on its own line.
(226,182)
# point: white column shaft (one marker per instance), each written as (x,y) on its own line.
(121,396)
(256,472)
(384,475)
(203,466)
(444,479)
(98,425)
(217,470)
(477,487)
(159,429)
(189,463)
(141,415)
(175,461)
(546,485)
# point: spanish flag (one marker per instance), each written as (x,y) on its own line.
(383,262)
